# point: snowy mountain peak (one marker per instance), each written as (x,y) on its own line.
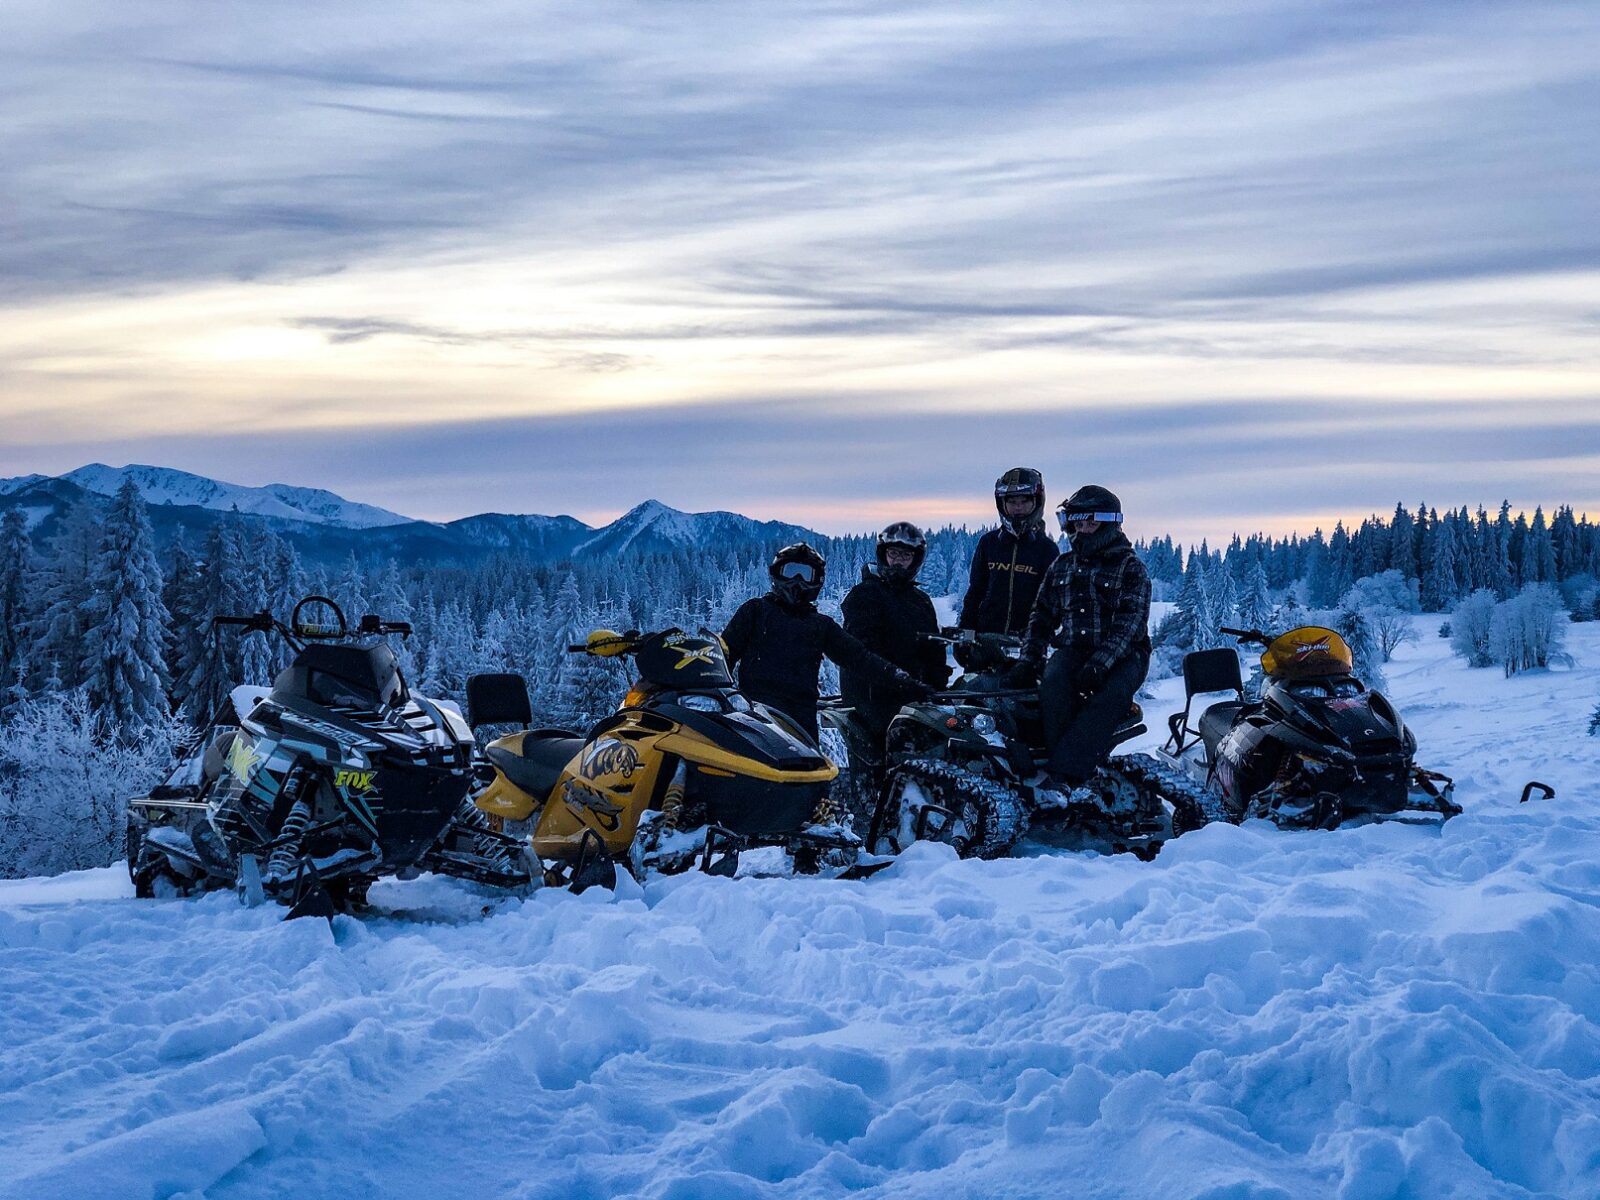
(654,527)
(164,485)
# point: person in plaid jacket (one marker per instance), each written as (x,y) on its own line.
(1094,609)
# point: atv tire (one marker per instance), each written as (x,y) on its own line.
(987,818)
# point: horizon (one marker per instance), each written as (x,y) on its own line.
(601,518)
(829,263)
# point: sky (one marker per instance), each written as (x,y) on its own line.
(1251,265)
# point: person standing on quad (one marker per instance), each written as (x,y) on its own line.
(1094,608)
(888,612)
(778,641)
(1010,562)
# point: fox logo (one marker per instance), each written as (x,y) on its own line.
(353,781)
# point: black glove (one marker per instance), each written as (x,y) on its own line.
(913,686)
(966,654)
(1092,676)
(1025,674)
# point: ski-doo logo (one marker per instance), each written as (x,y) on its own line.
(353,781)
(581,799)
(1311,648)
(610,757)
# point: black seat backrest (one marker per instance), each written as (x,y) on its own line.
(499,698)
(1211,671)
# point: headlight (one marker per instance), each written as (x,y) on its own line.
(983,723)
(707,704)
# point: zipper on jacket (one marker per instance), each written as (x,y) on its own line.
(1011,594)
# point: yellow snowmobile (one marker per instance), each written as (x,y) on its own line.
(686,769)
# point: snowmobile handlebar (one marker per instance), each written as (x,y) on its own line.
(372,623)
(1246,635)
(261,620)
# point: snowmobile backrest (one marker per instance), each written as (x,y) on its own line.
(1203,671)
(498,699)
(1211,671)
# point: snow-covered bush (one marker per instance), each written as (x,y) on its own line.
(1469,628)
(1444,630)
(65,780)
(1594,722)
(1528,630)
(1385,602)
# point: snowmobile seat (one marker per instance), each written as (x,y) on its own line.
(541,756)
(1215,723)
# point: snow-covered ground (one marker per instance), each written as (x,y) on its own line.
(1364,1014)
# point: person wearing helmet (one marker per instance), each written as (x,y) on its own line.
(778,641)
(888,612)
(1093,608)
(1010,561)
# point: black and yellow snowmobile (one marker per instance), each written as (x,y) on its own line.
(1318,749)
(686,770)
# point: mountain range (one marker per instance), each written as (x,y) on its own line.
(326,527)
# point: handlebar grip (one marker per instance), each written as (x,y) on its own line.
(247,622)
(403,628)
(581,649)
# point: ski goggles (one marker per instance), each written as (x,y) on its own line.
(1005,490)
(804,572)
(1072,518)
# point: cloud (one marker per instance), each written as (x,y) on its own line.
(850,241)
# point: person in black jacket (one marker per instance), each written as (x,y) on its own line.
(1009,562)
(888,612)
(778,641)
(1094,609)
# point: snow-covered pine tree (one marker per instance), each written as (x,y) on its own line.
(1441,585)
(16,581)
(210,668)
(124,644)
(1255,609)
(61,616)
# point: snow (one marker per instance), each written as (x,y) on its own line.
(1382,1013)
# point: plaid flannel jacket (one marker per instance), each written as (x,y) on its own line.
(1097,605)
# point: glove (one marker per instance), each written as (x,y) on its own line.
(1092,676)
(1024,675)
(966,655)
(913,686)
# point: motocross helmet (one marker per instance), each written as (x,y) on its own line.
(905,536)
(1091,502)
(1020,481)
(797,573)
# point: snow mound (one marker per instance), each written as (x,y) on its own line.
(1384,1013)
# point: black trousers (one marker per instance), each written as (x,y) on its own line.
(1078,728)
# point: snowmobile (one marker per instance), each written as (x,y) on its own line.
(964,768)
(307,791)
(1317,750)
(686,771)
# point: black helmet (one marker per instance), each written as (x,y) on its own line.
(1020,481)
(906,536)
(1091,502)
(797,573)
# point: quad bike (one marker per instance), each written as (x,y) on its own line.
(686,771)
(964,768)
(307,791)
(1319,748)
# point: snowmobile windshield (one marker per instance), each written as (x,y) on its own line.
(1309,652)
(683,661)
(344,676)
